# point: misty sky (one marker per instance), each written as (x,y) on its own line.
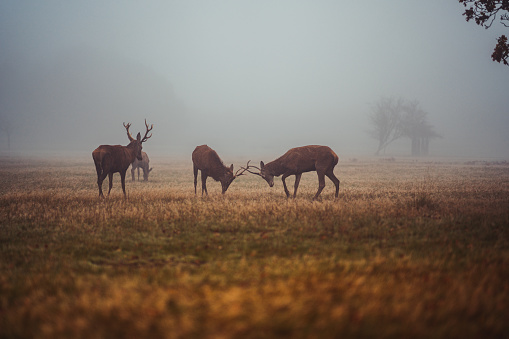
(246,77)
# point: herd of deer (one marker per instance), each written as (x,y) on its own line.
(111,159)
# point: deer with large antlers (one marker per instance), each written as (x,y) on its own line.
(208,162)
(299,160)
(111,159)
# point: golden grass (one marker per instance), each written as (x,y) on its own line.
(408,249)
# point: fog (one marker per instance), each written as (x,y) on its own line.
(245,77)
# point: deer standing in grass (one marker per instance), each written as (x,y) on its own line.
(143,164)
(208,162)
(299,160)
(111,159)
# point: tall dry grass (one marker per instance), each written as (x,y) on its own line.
(408,249)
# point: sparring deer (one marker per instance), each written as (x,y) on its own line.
(299,160)
(208,162)
(143,164)
(111,159)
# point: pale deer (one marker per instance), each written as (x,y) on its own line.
(111,159)
(299,160)
(208,162)
(143,164)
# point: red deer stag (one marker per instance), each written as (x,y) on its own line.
(298,160)
(143,164)
(111,159)
(208,162)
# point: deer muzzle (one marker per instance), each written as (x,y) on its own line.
(270,181)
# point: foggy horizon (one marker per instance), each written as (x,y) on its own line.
(246,78)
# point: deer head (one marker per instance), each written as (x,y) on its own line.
(229,176)
(136,143)
(266,174)
(263,172)
(145,174)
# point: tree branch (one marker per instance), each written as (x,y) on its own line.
(484,13)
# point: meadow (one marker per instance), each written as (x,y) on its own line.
(411,248)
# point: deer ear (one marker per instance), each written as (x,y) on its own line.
(231,167)
(138,137)
(262,165)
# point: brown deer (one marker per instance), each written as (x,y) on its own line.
(111,159)
(299,160)
(143,164)
(208,162)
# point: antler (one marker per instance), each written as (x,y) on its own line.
(128,134)
(237,174)
(145,138)
(247,169)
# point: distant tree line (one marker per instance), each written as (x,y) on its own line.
(393,119)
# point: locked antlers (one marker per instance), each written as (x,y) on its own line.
(237,174)
(145,138)
(244,169)
(249,166)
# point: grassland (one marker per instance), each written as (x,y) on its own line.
(409,249)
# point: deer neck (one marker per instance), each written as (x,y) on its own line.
(131,151)
(219,173)
(275,167)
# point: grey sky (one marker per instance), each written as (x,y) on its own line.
(248,76)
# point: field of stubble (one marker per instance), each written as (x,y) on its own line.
(409,249)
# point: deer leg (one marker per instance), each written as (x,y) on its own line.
(99,170)
(110,179)
(100,179)
(195,171)
(297,181)
(138,174)
(321,184)
(132,172)
(122,180)
(286,175)
(204,183)
(99,184)
(145,173)
(332,177)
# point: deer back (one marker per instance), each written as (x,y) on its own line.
(303,159)
(114,158)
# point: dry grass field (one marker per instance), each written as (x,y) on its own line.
(409,249)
